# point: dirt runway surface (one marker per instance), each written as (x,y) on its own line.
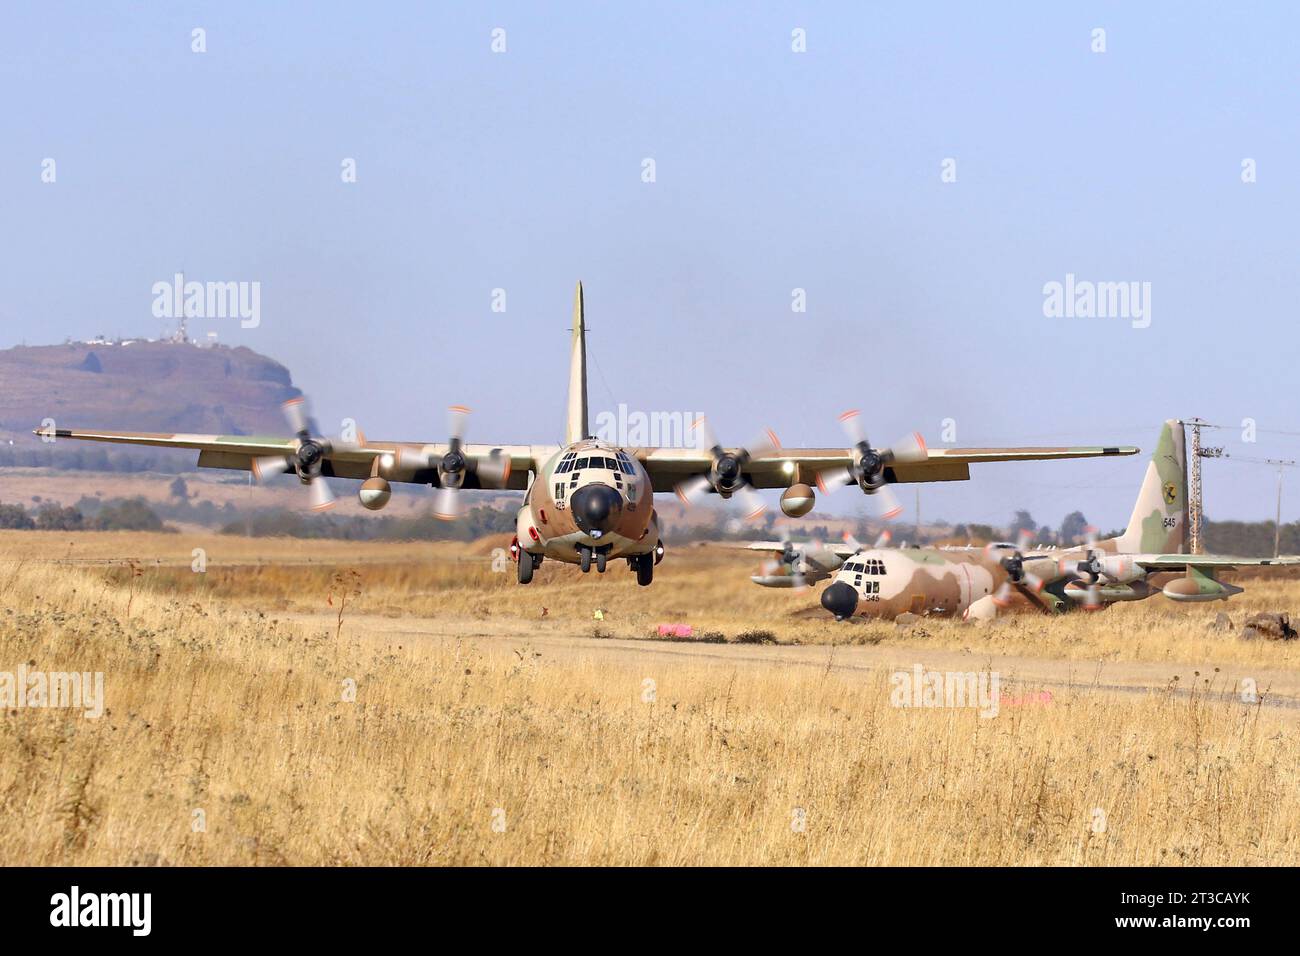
(1019,674)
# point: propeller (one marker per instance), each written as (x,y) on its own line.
(726,471)
(1089,571)
(453,465)
(882,540)
(1018,579)
(868,468)
(1091,568)
(792,558)
(308,457)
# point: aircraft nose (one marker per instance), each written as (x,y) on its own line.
(840,599)
(596,508)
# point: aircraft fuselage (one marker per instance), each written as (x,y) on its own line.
(884,583)
(590,496)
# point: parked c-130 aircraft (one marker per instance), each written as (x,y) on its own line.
(977,583)
(589,501)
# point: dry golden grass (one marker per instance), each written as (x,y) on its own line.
(705,586)
(222,699)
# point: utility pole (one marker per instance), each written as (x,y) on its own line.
(1195,513)
(1279,464)
(1277,522)
(1194,492)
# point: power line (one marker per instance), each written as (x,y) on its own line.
(1195,510)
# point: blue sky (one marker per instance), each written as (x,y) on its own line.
(775,170)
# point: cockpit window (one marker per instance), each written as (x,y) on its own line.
(581,464)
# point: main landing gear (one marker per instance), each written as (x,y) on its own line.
(527,563)
(644,564)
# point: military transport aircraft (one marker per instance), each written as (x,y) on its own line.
(976,583)
(589,501)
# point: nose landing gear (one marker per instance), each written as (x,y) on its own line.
(587,554)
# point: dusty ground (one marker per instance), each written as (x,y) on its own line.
(447,715)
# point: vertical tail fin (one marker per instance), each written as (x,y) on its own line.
(575,426)
(1158,524)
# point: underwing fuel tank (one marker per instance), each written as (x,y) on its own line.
(1134,591)
(797,500)
(375,493)
(773,580)
(1198,587)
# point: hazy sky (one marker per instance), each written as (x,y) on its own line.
(774,170)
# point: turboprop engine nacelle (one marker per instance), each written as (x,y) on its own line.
(375,493)
(1121,568)
(797,500)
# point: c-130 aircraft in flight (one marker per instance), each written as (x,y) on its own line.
(589,501)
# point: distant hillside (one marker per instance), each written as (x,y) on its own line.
(138,386)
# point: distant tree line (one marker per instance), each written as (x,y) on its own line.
(1250,539)
(477,522)
(117,514)
(87,456)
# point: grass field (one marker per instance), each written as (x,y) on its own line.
(247,722)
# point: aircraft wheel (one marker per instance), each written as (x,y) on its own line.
(584,560)
(600,562)
(645,570)
(525,567)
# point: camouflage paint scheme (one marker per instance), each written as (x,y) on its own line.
(636,531)
(1148,558)
(926,581)
(545,523)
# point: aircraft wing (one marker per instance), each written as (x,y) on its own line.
(841,551)
(238,452)
(788,466)
(1180,562)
